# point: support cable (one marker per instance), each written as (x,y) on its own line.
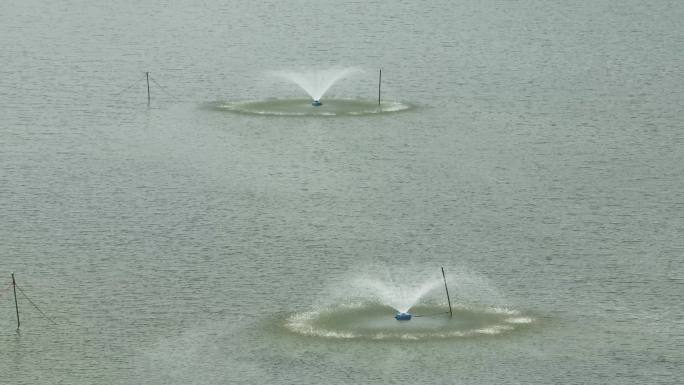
(36,306)
(129,87)
(164,89)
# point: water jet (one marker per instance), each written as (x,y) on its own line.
(316,83)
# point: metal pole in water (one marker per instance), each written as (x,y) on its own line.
(379,84)
(147,76)
(451,313)
(16,304)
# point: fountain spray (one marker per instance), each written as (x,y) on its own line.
(316,83)
(406,316)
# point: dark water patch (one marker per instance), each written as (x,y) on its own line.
(303,107)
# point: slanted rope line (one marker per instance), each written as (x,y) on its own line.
(164,89)
(129,87)
(36,306)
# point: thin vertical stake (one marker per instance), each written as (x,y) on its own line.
(16,304)
(147,76)
(451,313)
(379,84)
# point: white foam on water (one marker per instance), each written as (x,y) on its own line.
(519,320)
(494,330)
(503,310)
(335,322)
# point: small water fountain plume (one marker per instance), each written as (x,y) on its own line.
(399,297)
(316,83)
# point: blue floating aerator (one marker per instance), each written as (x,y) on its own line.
(403,317)
(316,103)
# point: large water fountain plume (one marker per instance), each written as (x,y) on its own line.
(364,304)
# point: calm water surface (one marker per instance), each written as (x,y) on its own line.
(541,164)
